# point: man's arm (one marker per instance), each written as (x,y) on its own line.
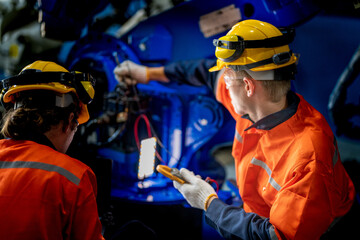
(192,72)
(232,222)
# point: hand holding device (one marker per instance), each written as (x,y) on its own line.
(196,191)
(172,173)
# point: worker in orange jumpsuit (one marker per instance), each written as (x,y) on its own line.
(288,168)
(44,193)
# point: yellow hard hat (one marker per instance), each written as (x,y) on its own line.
(255,45)
(43,75)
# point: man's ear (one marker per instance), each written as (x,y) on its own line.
(72,122)
(249,86)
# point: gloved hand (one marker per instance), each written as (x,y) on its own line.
(131,73)
(196,191)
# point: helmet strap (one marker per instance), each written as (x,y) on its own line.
(278,41)
(277,59)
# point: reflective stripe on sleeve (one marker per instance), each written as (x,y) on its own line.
(268,171)
(272,233)
(238,136)
(43,166)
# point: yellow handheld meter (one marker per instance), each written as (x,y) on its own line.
(172,173)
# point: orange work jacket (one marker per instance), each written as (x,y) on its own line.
(45,194)
(290,172)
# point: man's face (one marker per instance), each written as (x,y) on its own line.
(69,138)
(69,133)
(236,86)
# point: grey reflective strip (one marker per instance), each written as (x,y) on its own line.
(43,166)
(336,153)
(64,100)
(238,136)
(272,233)
(268,171)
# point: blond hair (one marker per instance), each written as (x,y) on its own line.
(276,89)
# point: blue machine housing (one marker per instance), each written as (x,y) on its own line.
(178,34)
(66,20)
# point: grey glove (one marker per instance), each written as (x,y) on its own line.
(196,191)
(131,73)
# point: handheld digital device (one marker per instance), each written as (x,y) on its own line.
(172,173)
(147,158)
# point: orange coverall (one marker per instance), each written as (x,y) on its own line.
(45,194)
(289,173)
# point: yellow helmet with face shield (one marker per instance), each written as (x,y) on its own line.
(44,75)
(254,45)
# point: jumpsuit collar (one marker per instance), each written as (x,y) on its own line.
(41,139)
(273,120)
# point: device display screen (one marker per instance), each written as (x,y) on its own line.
(147,158)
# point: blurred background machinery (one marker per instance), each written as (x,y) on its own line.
(190,126)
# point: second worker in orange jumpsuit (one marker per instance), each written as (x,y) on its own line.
(44,193)
(288,168)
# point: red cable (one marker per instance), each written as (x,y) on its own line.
(159,157)
(143,116)
(147,122)
(210,180)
